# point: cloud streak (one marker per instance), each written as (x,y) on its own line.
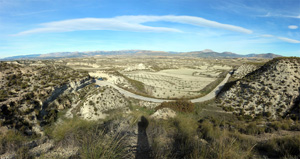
(281,38)
(137,24)
(293,27)
(32,13)
(130,23)
(94,24)
(280,15)
(288,40)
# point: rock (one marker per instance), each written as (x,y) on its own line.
(164,113)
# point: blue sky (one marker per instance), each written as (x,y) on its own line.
(240,26)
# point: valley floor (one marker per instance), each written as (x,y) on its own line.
(126,93)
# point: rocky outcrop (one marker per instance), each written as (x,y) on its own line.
(272,90)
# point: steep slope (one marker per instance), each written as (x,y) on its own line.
(272,90)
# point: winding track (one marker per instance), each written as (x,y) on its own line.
(126,93)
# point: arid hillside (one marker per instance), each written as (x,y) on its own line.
(271,91)
(26,92)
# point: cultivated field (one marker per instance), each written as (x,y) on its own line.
(177,83)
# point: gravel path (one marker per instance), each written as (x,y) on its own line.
(126,93)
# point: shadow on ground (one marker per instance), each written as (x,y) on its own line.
(143,147)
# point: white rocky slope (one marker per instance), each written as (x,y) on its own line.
(243,70)
(271,90)
(100,101)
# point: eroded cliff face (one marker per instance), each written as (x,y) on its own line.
(273,90)
(67,89)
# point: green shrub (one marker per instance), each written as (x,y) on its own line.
(178,105)
(247,117)
(228,109)
(267,114)
(91,103)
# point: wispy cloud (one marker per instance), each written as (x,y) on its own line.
(292,16)
(192,20)
(288,40)
(238,7)
(32,13)
(293,27)
(267,35)
(269,14)
(130,23)
(281,38)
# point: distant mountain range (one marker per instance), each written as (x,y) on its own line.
(203,54)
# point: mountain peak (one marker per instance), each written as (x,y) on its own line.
(207,50)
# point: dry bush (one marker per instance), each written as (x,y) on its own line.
(90,137)
(14,142)
(288,147)
(178,105)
